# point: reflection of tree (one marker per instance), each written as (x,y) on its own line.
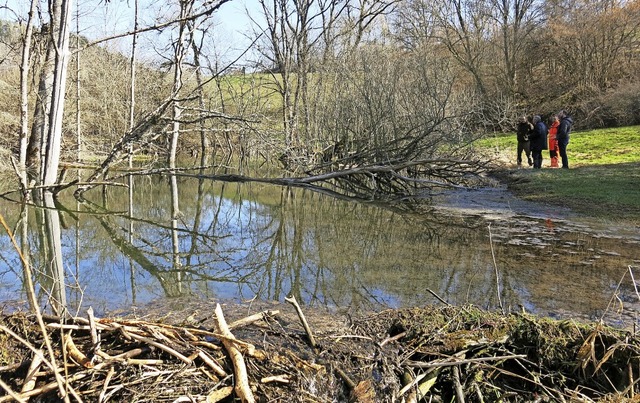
(26,255)
(164,263)
(52,268)
(132,267)
(257,240)
(55,265)
(319,249)
(135,254)
(175,239)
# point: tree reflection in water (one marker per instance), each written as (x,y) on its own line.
(172,237)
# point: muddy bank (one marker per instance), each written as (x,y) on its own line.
(421,354)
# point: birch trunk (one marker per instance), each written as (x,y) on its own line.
(60,33)
(179,54)
(132,90)
(40,125)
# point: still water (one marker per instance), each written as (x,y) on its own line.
(169,237)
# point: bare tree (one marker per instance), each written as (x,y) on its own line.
(595,40)
(301,36)
(463,26)
(196,48)
(517,22)
(281,56)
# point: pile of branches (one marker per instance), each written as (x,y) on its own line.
(430,354)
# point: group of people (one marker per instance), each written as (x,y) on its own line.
(535,136)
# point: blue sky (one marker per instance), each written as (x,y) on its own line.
(99,20)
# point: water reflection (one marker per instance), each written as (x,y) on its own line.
(171,236)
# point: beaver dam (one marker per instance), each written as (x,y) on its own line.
(278,353)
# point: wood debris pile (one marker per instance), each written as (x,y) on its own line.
(460,354)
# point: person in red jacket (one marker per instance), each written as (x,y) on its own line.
(554,149)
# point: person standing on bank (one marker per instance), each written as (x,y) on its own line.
(523,130)
(538,139)
(564,129)
(554,150)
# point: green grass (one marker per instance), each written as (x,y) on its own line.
(590,147)
(603,182)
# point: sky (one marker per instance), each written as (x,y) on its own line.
(99,19)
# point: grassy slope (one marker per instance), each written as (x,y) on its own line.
(604,179)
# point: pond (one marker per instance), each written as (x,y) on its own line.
(121,249)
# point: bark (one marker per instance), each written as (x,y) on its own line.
(242,388)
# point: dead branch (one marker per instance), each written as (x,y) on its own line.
(31,378)
(253,318)
(454,361)
(75,354)
(243,390)
(212,364)
(292,300)
(11,394)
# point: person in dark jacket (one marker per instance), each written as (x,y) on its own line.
(538,139)
(564,129)
(522,132)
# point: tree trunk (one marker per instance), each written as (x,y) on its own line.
(204,140)
(132,79)
(40,126)
(78,84)
(60,19)
(179,54)
(24,98)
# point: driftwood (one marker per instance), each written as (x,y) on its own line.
(243,390)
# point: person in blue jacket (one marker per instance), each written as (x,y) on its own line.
(564,129)
(538,138)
